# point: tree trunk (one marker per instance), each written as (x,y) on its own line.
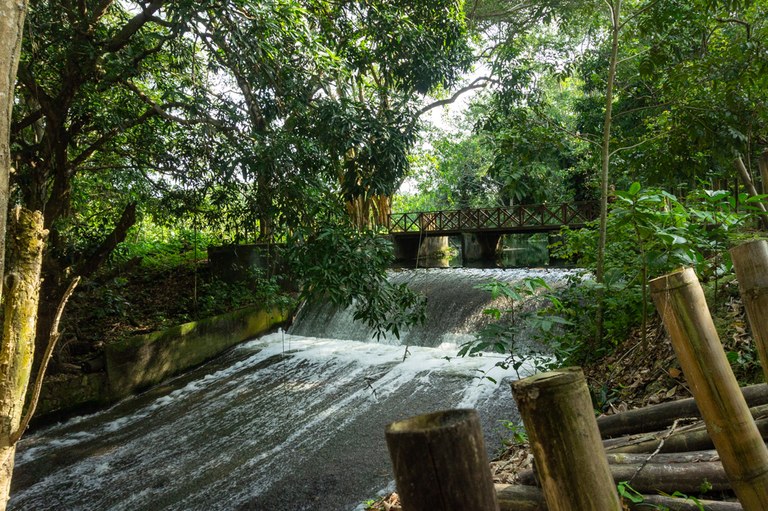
(623,458)
(22,282)
(440,462)
(762,164)
(13,381)
(680,301)
(746,178)
(557,412)
(53,288)
(689,438)
(11,27)
(615,7)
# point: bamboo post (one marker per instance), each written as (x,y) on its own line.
(751,263)
(680,300)
(557,412)
(440,462)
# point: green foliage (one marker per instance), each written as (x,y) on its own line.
(629,493)
(451,172)
(161,248)
(513,330)
(518,435)
(349,268)
(650,232)
(219,297)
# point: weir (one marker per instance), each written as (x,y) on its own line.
(285,422)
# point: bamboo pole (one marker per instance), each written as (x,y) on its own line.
(530,498)
(680,300)
(440,462)
(557,412)
(661,477)
(656,417)
(751,262)
(762,164)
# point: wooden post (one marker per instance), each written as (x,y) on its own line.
(558,416)
(751,263)
(680,300)
(440,462)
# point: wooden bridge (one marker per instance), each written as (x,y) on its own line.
(484,227)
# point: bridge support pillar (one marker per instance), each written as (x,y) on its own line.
(433,246)
(479,246)
(406,247)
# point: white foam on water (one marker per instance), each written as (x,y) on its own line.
(233,434)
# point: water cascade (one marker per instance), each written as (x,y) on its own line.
(285,422)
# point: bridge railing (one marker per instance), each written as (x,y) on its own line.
(529,216)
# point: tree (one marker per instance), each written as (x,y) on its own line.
(98,83)
(25,249)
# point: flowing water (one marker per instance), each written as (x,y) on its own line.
(285,422)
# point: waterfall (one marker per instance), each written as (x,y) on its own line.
(284,422)
(454,306)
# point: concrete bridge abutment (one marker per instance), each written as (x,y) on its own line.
(480,246)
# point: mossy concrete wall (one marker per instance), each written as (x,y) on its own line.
(139,362)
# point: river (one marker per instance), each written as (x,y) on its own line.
(284,422)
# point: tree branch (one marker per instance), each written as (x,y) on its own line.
(737,21)
(474,85)
(627,148)
(52,340)
(161,110)
(29,120)
(123,37)
(118,234)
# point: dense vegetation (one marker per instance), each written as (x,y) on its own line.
(145,130)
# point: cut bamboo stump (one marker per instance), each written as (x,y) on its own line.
(440,462)
(751,263)
(557,412)
(680,300)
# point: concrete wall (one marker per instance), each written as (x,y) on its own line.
(139,362)
(479,246)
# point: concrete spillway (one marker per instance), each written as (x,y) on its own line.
(284,422)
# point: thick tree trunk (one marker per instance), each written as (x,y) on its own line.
(13,381)
(11,27)
(22,289)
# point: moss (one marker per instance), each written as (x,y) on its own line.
(142,361)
